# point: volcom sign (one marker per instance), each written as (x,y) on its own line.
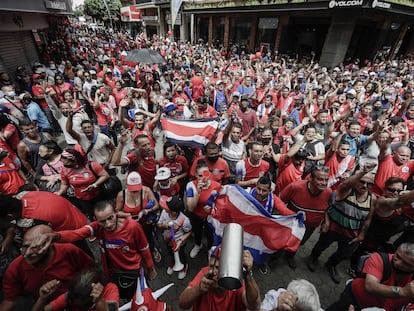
(380,4)
(346,3)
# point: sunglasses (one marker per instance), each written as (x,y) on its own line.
(393,190)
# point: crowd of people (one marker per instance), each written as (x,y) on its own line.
(333,143)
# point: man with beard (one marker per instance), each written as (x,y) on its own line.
(61,114)
(204,293)
(97,146)
(122,240)
(141,160)
(271,203)
(346,221)
(28,272)
(373,290)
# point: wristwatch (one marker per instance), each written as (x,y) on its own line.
(396,291)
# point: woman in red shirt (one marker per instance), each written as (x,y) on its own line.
(85,178)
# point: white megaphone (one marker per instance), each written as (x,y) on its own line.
(178,265)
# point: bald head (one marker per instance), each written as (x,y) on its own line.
(32,254)
(401,155)
(36,231)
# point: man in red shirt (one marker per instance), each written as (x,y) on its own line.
(252,168)
(217,166)
(11,176)
(204,109)
(39,207)
(247,118)
(396,165)
(271,203)
(122,240)
(204,294)
(373,291)
(141,160)
(28,272)
(313,201)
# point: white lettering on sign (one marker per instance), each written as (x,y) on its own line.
(334,3)
(55,5)
(380,4)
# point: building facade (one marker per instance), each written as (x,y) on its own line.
(333,30)
(24,28)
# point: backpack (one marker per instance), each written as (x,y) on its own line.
(386,273)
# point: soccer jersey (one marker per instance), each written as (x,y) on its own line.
(21,277)
(298,198)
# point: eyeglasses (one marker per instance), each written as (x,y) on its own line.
(363,182)
(393,190)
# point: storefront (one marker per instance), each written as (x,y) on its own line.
(24,27)
(333,30)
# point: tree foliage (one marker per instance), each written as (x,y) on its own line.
(97,8)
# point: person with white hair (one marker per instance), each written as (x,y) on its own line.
(300,295)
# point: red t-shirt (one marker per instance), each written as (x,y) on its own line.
(81,180)
(110,293)
(10,180)
(375,266)
(210,301)
(248,120)
(177,166)
(245,169)
(21,277)
(14,140)
(288,173)
(146,167)
(119,95)
(37,90)
(219,169)
(298,198)
(125,245)
(388,168)
(205,194)
(52,208)
(135,132)
(103,114)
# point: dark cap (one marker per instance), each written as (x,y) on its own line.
(175,204)
(244,97)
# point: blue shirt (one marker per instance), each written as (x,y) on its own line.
(355,143)
(35,113)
